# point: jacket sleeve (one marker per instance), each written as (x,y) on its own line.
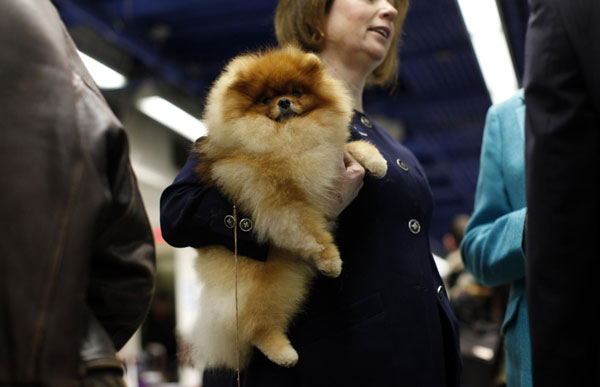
(192,214)
(122,266)
(492,245)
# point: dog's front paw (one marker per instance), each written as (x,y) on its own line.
(377,167)
(369,157)
(329,262)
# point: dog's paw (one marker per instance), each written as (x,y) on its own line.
(329,263)
(287,357)
(331,268)
(369,157)
(377,167)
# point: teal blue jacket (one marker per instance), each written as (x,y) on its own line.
(492,247)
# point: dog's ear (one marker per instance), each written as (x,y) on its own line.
(307,57)
(311,65)
(313,58)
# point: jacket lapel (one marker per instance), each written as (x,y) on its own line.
(520,111)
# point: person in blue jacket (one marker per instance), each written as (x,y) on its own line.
(386,321)
(492,248)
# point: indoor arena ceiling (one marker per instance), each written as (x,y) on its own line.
(438,107)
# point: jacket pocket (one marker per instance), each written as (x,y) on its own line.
(340,320)
(355,352)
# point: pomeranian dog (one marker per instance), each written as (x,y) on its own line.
(277,129)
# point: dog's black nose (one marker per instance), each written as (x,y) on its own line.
(284,103)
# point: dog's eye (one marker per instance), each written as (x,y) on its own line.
(266,100)
(296,94)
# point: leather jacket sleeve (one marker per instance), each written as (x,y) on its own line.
(193,214)
(75,235)
(122,263)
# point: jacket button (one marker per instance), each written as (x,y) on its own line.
(245,225)
(360,131)
(414,226)
(366,122)
(440,292)
(402,165)
(229,221)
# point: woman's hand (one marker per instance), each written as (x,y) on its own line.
(348,185)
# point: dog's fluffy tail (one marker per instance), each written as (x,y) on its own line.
(213,339)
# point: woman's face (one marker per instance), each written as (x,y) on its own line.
(361,27)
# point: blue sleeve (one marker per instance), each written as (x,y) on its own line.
(192,214)
(492,245)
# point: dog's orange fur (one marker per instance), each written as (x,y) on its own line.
(279,165)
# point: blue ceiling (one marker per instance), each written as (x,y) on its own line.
(441,99)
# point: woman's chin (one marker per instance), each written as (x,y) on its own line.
(377,52)
(377,56)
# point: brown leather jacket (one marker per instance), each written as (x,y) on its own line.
(76,249)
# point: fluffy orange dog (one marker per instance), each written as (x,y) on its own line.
(278,126)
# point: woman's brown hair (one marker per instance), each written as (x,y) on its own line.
(301,23)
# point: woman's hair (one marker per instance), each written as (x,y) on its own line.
(301,23)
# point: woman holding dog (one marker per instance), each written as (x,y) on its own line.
(386,321)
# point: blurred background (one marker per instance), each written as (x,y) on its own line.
(156,59)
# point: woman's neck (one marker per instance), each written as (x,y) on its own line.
(354,78)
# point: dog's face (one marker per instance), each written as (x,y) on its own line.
(279,85)
(279,105)
(286,92)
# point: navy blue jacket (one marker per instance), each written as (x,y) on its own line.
(386,321)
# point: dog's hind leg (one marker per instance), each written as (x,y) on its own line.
(303,230)
(276,346)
